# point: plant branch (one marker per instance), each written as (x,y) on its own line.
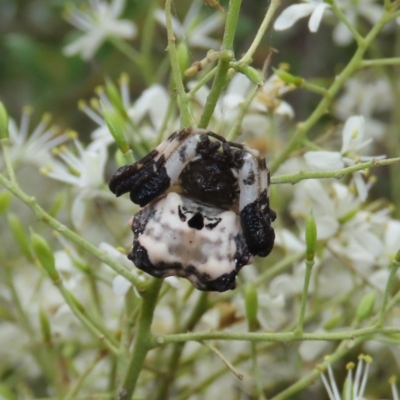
(336,173)
(248,57)
(279,337)
(223,64)
(143,340)
(183,103)
(304,296)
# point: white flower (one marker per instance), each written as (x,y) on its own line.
(194,30)
(289,16)
(84,170)
(34,148)
(352,142)
(99,21)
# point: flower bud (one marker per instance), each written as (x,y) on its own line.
(289,78)
(253,74)
(45,255)
(5,200)
(114,97)
(45,326)
(4,134)
(366,306)
(333,322)
(18,230)
(57,204)
(116,125)
(311,237)
(183,56)
(251,303)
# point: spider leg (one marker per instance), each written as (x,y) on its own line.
(151,176)
(255,214)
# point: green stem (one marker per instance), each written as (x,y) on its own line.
(314,88)
(392,275)
(183,103)
(223,64)
(235,130)
(148,38)
(342,17)
(143,341)
(215,92)
(5,144)
(248,57)
(129,317)
(336,173)
(323,106)
(201,307)
(280,337)
(256,372)
(99,332)
(380,62)
(202,82)
(70,235)
(304,297)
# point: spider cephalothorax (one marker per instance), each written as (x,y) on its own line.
(206,208)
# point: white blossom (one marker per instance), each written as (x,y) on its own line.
(34,148)
(313,8)
(84,170)
(99,21)
(352,142)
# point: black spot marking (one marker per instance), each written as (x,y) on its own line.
(250,179)
(196,222)
(212,225)
(182,153)
(182,216)
(183,134)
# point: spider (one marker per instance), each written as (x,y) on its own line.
(205,208)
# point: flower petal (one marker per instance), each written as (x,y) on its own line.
(353,133)
(316,17)
(292,14)
(324,160)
